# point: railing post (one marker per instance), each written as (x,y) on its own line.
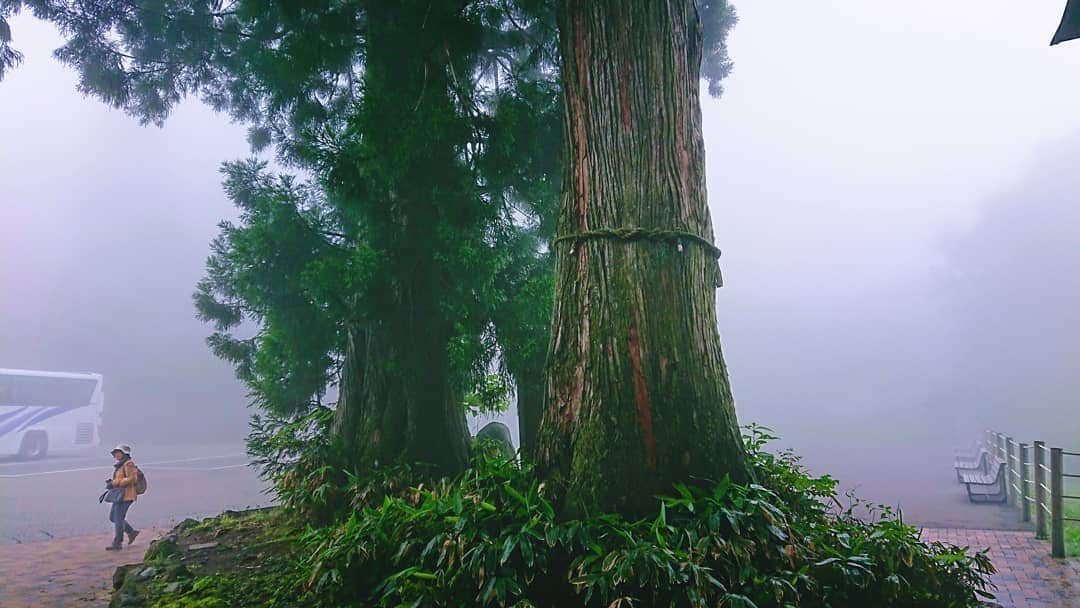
(1057,504)
(1025,504)
(1040,490)
(1011,499)
(1000,451)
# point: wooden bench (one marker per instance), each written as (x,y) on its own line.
(978,479)
(979,463)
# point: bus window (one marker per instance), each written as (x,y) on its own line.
(37,391)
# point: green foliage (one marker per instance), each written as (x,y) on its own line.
(427,138)
(252,566)
(491,396)
(398,231)
(9,57)
(271,586)
(1072,534)
(492,538)
(305,467)
(275,268)
(717,18)
(309,474)
(1072,511)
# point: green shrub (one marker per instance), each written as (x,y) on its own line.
(1072,511)
(306,469)
(493,538)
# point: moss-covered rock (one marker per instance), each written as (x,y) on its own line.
(186,525)
(176,572)
(246,561)
(131,591)
(163,548)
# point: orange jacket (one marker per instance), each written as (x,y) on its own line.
(125,477)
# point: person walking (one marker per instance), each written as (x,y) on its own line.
(125,476)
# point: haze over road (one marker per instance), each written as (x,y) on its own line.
(917,480)
(58,496)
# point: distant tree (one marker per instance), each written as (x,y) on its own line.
(637,393)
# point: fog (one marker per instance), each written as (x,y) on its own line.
(893,187)
(104,230)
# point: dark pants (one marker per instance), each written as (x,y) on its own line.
(118,515)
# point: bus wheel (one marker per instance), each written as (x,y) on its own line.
(35,445)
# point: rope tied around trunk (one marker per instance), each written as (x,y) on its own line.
(675,237)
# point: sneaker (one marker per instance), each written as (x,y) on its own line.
(131,536)
(113,548)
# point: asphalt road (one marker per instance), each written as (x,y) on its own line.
(58,496)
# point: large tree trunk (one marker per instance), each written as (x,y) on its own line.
(637,393)
(370,419)
(398,403)
(397,406)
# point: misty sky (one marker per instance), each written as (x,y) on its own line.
(859,152)
(854,142)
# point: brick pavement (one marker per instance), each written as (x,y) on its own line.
(64,572)
(1027,576)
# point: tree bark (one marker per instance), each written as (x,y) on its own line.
(370,420)
(397,406)
(637,394)
(397,401)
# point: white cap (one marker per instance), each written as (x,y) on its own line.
(120,447)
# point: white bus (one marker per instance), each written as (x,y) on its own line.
(42,411)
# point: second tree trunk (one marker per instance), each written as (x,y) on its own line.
(637,394)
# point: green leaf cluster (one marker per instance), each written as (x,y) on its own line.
(492,537)
(489,397)
(275,275)
(9,57)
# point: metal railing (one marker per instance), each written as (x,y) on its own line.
(1035,483)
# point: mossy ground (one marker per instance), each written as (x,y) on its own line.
(252,565)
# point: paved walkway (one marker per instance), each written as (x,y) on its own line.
(1027,576)
(65,572)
